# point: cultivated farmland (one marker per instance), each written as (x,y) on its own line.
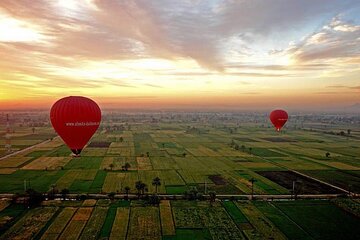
(192,155)
(180,219)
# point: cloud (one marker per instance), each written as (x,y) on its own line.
(85,45)
(300,66)
(14,30)
(203,29)
(250,93)
(166,29)
(233,73)
(328,93)
(337,40)
(344,87)
(263,17)
(153,85)
(258,74)
(337,86)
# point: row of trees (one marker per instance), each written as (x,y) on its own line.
(32,198)
(125,167)
(236,146)
(194,194)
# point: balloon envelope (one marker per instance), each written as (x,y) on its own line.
(75,119)
(278,118)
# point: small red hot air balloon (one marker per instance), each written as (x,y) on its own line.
(75,119)
(278,118)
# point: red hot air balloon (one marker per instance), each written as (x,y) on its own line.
(278,118)
(75,119)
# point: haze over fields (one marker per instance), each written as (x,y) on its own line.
(179,54)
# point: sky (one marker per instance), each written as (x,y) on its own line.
(240,54)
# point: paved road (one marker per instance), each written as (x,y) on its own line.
(26,149)
(222,197)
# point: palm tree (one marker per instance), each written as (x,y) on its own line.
(145,189)
(127,190)
(127,166)
(327,154)
(140,187)
(111,195)
(297,188)
(193,193)
(252,180)
(111,166)
(212,196)
(53,187)
(243,148)
(64,192)
(52,191)
(156,182)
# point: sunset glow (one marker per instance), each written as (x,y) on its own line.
(181,54)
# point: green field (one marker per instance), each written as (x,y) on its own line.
(306,219)
(186,154)
(182,158)
(313,218)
